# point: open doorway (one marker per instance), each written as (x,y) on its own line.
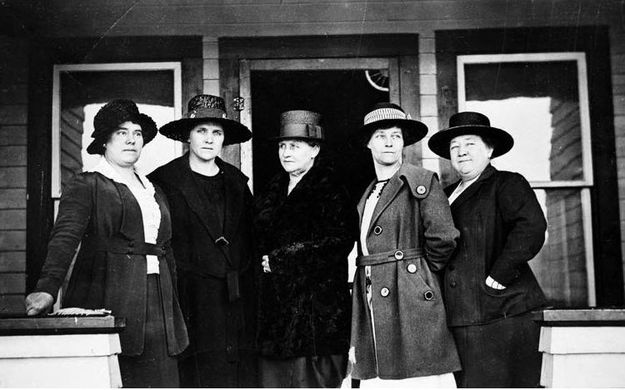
(342,97)
(338,89)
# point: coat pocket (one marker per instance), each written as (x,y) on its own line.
(425,283)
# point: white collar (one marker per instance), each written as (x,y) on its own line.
(106,169)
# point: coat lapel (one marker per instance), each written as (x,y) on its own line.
(191,191)
(388,194)
(472,189)
(363,200)
(234,202)
(132,222)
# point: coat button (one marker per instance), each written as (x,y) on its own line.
(412,268)
(428,295)
(131,244)
(421,190)
(377,230)
(399,255)
(384,292)
(453,283)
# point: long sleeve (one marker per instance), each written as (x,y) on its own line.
(73,218)
(334,234)
(525,226)
(439,231)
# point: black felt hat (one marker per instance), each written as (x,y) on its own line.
(475,123)
(202,109)
(387,115)
(113,114)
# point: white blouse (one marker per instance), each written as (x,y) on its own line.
(150,212)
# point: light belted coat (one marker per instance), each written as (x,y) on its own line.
(411,237)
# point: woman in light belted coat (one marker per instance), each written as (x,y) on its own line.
(399,329)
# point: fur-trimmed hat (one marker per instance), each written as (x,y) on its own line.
(387,115)
(475,123)
(113,114)
(202,109)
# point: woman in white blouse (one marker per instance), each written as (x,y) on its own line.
(125,263)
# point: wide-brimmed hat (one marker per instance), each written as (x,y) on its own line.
(300,125)
(113,114)
(202,109)
(387,115)
(475,123)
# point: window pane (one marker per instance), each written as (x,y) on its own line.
(560,267)
(538,103)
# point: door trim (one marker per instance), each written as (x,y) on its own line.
(245,88)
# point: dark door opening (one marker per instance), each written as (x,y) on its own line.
(342,97)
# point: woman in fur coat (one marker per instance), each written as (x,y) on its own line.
(305,230)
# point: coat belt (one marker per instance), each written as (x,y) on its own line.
(389,257)
(129,247)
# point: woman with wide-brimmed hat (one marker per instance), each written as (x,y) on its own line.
(124,264)
(305,229)
(489,286)
(211,207)
(399,328)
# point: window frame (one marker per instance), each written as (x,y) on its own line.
(584,185)
(174,66)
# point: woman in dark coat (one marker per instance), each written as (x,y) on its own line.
(211,208)
(125,263)
(305,230)
(399,327)
(489,287)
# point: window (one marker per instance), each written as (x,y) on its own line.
(542,100)
(80,90)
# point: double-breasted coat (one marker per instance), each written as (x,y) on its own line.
(410,239)
(502,227)
(110,270)
(305,299)
(216,275)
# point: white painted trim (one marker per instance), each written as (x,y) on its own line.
(245,117)
(112,67)
(588,246)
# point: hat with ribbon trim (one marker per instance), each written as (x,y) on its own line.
(387,115)
(300,124)
(474,123)
(204,109)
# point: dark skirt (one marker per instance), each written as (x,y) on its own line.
(499,354)
(316,371)
(154,367)
(209,369)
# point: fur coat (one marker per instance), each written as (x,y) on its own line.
(305,299)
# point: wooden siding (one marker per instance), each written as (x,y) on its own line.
(241,18)
(13,114)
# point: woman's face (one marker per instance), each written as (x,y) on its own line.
(206,141)
(469,155)
(386,146)
(297,156)
(124,145)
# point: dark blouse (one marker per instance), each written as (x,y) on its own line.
(213,193)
